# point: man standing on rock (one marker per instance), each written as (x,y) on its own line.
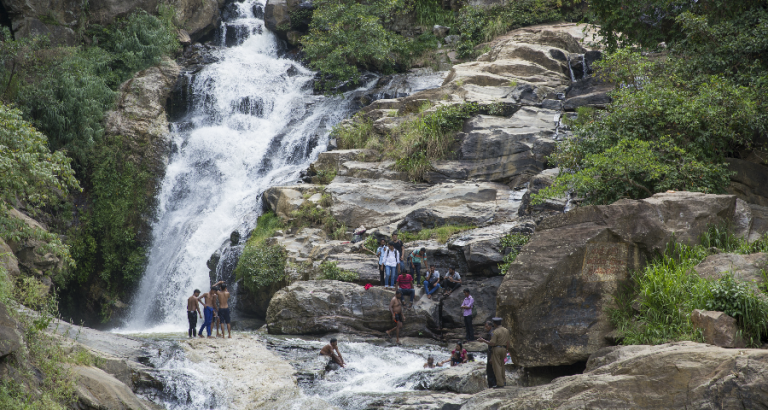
(209,310)
(380,253)
(418,258)
(391,265)
(488,366)
(193,310)
(328,350)
(398,244)
(499,345)
(224,314)
(396,308)
(466,307)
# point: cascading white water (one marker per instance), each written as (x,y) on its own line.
(254,123)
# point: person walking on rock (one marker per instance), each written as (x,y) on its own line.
(499,345)
(418,258)
(209,310)
(391,265)
(431,284)
(332,350)
(396,308)
(193,311)
(380,253)
(466,307)
(405,286)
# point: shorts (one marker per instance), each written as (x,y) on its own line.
(399,317)
(224,315)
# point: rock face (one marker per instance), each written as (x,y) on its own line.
(320,307)
(749,182)
(30,254)
(61,20)
(553,297)
(484,293)
(746,268)
(719,329)
(672,376)
(8,260)
(98,390)
(10,339)
(468,378)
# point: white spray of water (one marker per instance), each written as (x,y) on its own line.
(254,123)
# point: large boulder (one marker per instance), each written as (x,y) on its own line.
(749,181)
(683,375)
(554,295)
(507,150)
(412,207)
(746,268)
(97,390)
(10,339)
(468,378)
(31,254)
(481,248)
(484,293)
(325,306)
(8,260)
(718,328)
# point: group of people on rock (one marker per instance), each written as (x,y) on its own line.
(215,308)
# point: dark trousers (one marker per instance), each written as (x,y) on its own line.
(381,274)
(208,313)
(407,292)
(489,371)
(451,286)
(470,329)
(416,272)
(192,318)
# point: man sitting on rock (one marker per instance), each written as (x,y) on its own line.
(328,350)
(451,282)
(432,283)
(396,308)
(405,286)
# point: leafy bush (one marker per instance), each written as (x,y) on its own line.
(311,214)
(262,265)
(355,135)
(431,12)
(738,300)
(330,271)
(515,242)
(668,289)
(441,233)
(30,174)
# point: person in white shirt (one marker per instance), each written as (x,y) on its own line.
(380,253)
(451,282)
(391,266)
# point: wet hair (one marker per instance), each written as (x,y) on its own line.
(430,359)
(466,290)
(196,291)
(223,286)
(333,340)
(398,292)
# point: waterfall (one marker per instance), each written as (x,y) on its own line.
(253,123)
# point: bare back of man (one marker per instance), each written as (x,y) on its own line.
(398,316)
(209,307)
(224,314)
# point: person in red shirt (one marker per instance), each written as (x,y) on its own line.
(405,284)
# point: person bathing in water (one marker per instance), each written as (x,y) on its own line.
(224,314)
(193,310)
(332,350)
(396,308)
(209,310)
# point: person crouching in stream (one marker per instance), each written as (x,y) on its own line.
(332,350)
(499,345)
(396,308)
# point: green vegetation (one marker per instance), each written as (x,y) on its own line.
(515,242)
(676,117)
(261,264)
(415,143)
(32,175)
(668,289)
(330,271)
(441,233)
(318,215)
(371,243)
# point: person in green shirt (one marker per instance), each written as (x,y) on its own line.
(418,258)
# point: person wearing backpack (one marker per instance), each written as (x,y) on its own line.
(391,266)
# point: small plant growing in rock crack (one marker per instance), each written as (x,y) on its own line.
(331,271)
(515,242)
(738,300)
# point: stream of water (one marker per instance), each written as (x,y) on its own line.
(253,123)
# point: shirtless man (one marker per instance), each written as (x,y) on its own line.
(193,306)
(328,350)
(396,308)
(224,309)
(209,310)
